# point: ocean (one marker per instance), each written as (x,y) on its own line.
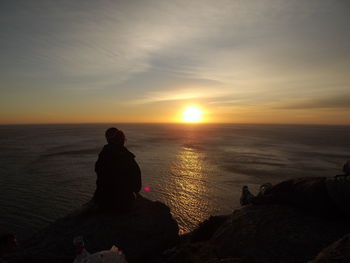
(47,171)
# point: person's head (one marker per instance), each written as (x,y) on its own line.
(346,167)
(115,136)
(8,243)
(245,188)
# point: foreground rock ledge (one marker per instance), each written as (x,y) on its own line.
(261,234)
(274,233)
(144,232)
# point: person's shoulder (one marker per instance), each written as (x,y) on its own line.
(105,148)
(127,153)
(117,151)
(106,151)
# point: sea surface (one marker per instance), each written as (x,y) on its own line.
(47,171)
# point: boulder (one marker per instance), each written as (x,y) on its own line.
(229,260)
(338,252)
(141,234)
(196,246)
(276,233)
(265,234)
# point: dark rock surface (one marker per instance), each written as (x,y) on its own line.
(141,234)
(260,234)
(252,234)
(338,252)
(229,260)
(207,228)
(275,233)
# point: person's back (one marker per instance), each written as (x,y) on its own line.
(118,174)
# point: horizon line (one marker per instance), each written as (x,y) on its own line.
(172,123)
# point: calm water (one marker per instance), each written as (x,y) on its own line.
(46,171)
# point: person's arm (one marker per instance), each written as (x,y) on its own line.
(136,175)
(102,164)
(102,169)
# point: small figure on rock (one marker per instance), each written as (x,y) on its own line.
(346,169)
(118,174)
(246,197)
(322,196)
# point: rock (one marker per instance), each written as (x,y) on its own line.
(276,233)
(229,260)
(263,234)
(338,252)
(207,228)
(253,234)
(142,233)
(187,252)
(196,246)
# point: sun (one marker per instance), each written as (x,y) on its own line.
(192,114)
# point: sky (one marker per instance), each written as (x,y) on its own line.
(249,61)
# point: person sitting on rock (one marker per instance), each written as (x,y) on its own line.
(318,195)
(118,174)
(346,169)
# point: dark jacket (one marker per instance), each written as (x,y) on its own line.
(118,177)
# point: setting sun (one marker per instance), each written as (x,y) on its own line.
(192,114)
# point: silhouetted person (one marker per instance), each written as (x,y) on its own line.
(118,174)
(346,169)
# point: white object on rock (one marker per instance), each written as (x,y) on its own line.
(114,255)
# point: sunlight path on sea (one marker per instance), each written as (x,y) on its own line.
(187,187)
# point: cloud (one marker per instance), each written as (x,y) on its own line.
(229,53)
(224,41)
(196,93)
(332,102)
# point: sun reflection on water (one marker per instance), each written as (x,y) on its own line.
(187,188)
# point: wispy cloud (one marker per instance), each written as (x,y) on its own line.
(197,94)
(330,102)
(261,52)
